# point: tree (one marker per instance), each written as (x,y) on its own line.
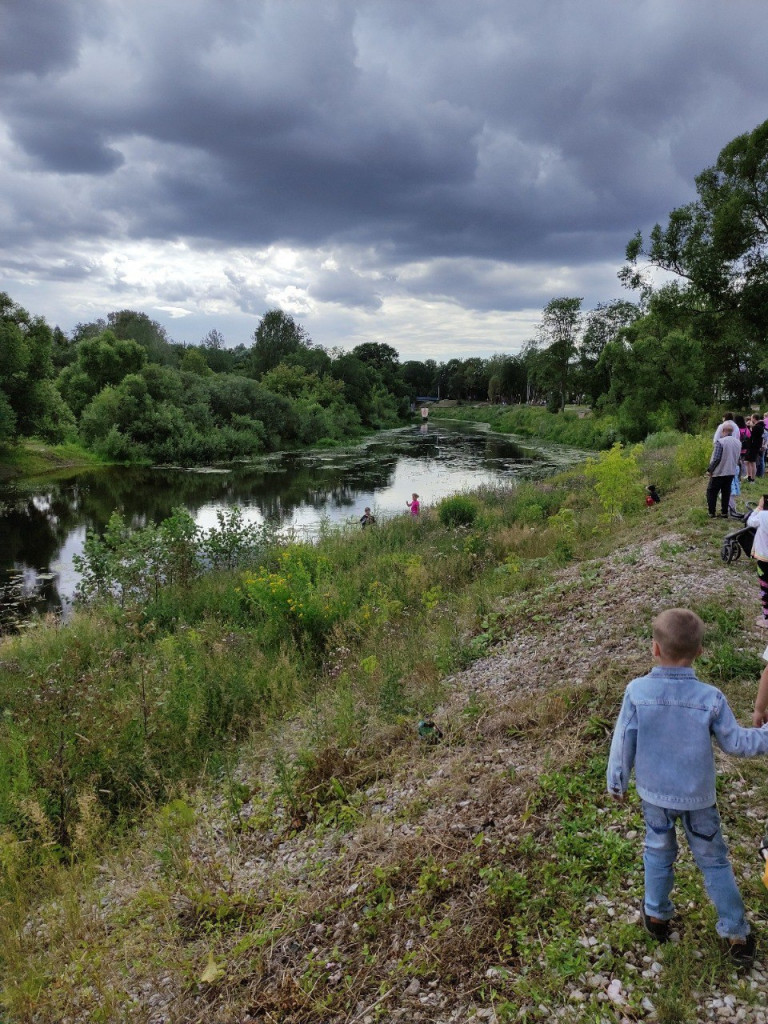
(277,337)
(99,361)
(129,325)
(559,333)
(193,361)
(476,378)
(418,377)
(379,355)
(386,362)
(358,380)
(718,244)
(656,382)
(507,379)
(30,406)
(214,340)
(219,358)
(7,421)
(604,323)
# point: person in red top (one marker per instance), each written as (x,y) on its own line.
(413,504)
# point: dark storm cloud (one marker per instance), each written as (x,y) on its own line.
(541,132)
(39,36)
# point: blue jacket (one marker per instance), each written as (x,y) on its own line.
(665,728)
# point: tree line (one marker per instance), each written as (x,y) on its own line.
(693,338)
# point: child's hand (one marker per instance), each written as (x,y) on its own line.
(759,718)
(619,797)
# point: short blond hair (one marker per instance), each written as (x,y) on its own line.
(678,632)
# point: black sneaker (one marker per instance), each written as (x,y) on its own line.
(658,929)
(742,953)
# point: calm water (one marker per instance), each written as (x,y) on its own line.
(43,522)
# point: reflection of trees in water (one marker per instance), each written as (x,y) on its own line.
(35,522)
(35,525)
(33,528)
(21,597)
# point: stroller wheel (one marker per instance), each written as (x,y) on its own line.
(730,551)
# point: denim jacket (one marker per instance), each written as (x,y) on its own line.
(665,729)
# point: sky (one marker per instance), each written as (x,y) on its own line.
(425,173)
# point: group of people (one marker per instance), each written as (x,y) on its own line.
(738,454)
(741,450)
(669,720)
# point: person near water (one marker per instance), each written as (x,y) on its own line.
(367,518)
(414,505)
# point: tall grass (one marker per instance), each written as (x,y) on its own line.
(567,428)
(148,687)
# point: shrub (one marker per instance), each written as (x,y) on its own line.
(458,510)
(529,513)
(664,439)
(298,601)
(692,455)
(617,477)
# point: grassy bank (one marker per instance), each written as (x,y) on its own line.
(31,458)
(577,428)
(304,855)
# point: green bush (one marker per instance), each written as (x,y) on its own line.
(693,454)
(617,480)
(458,510)
(664,439)
(529,514)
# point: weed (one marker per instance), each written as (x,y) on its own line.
(458,510)
(618,480)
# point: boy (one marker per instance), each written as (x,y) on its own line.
(665,729)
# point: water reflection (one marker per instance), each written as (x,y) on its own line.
(43,523)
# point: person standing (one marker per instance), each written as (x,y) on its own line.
(727,418)
(743,435)
(759,520)
(721,469)
(414,505)
(754,446)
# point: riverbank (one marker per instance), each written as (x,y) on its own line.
(341,868)
(575,426)
(34,458)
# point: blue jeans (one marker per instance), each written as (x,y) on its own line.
(702,830)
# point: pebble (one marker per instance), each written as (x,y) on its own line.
(615,993)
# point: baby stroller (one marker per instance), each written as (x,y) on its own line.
(740,540)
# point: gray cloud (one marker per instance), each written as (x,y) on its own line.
(489,142)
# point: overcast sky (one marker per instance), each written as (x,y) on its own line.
(428,173)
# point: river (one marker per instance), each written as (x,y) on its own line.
(43,522)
